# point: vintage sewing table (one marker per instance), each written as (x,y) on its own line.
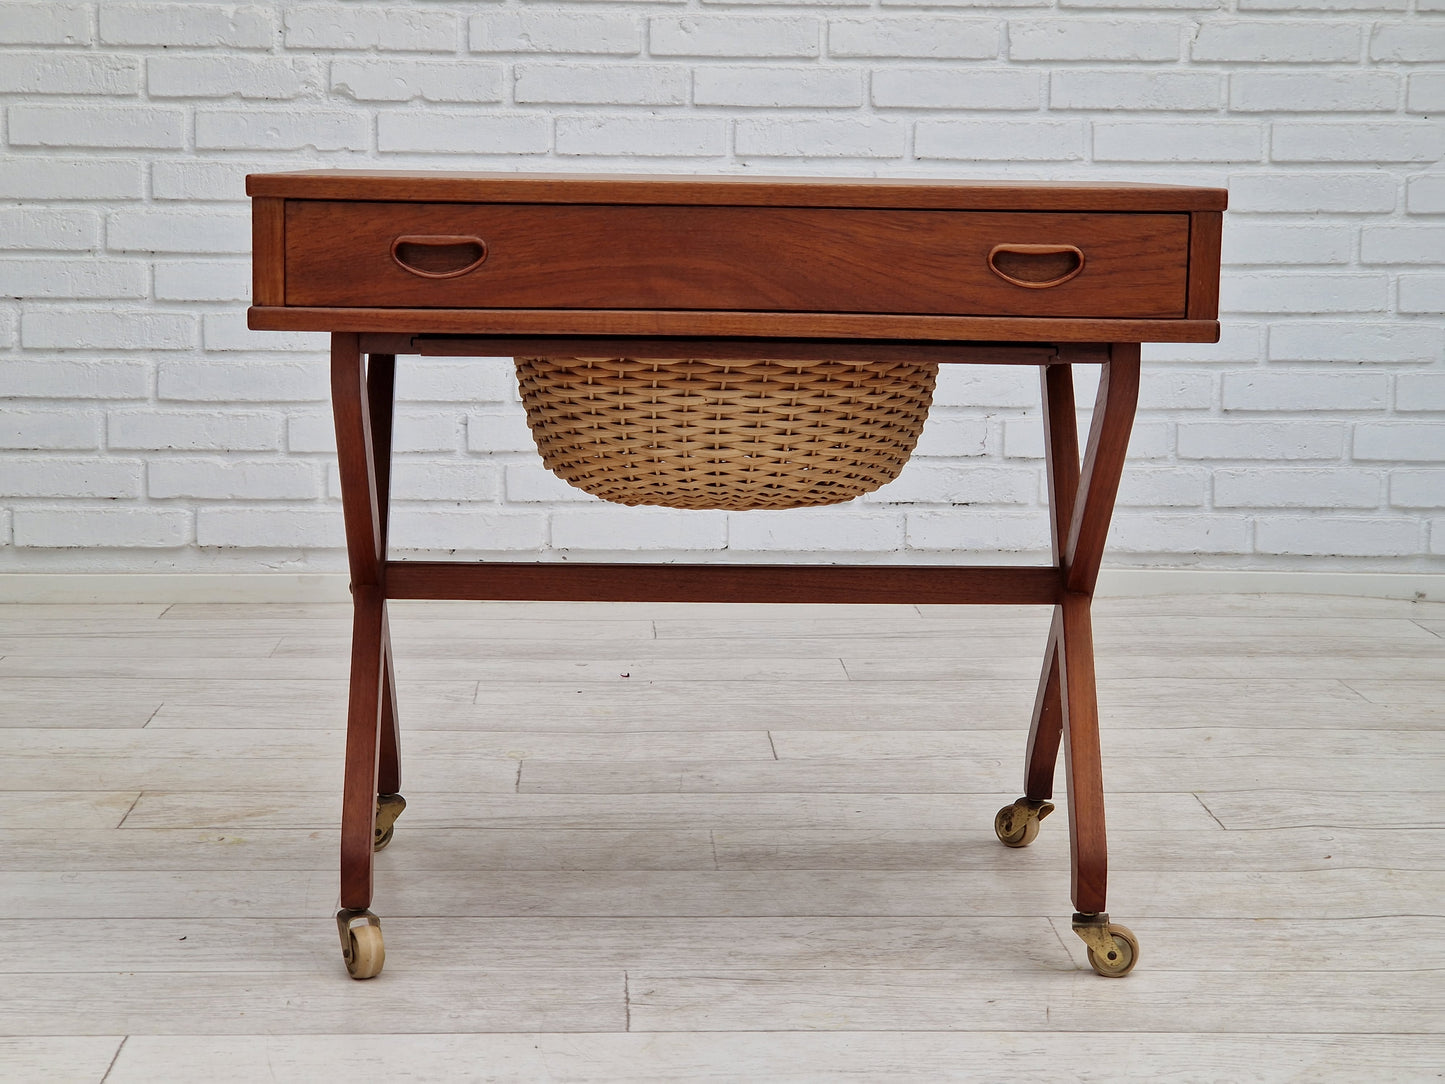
(798,270)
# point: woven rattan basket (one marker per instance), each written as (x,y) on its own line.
(715,434)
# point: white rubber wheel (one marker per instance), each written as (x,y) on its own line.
(367,953)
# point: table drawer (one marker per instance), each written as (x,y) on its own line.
(359,254)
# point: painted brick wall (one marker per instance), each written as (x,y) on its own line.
(142,426)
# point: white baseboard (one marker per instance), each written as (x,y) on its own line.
(283,587)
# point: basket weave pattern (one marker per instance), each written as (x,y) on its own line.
(732,435)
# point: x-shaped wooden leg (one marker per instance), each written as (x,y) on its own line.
(1081,502)
(362,405)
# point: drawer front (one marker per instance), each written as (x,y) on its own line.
(739,259)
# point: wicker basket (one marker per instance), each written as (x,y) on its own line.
(734,435)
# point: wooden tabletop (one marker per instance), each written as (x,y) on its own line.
(897,192)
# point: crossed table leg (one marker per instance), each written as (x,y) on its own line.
(362,403)
(1081,501)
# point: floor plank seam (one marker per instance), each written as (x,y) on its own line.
(1357,692)
(1058,934)
(114,1059)
(1200,799)
(130,809)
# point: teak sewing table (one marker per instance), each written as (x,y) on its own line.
(798,269)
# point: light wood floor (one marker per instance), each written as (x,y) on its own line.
(687,843)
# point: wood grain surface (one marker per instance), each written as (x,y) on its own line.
(719,583)
(734,259)
(797,875)
(714,325)
(733,191)
(268,250)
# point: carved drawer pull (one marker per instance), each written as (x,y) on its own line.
(438,257)
(1036,267)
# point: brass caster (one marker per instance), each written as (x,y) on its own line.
(1113,949)
(361,944)
(388,808)
(1017,825)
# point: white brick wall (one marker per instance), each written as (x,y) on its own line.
(142,426)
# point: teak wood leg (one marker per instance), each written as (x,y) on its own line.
(1088,853)
(1061,449)
(1081,503)
(380,389)
(363,740)
(1082,552)
(362,404)
(1047,728)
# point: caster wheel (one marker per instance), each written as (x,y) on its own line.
(1117,964)
(1113,949)
(368,953)
(1017,825)
(361,944)
(388,808)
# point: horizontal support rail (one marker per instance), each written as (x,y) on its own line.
(1007,353)
(549,582)
(708,324)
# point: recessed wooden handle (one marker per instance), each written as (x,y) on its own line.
(1036,267)
(438,257)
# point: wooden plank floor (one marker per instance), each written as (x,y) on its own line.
(678,843)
